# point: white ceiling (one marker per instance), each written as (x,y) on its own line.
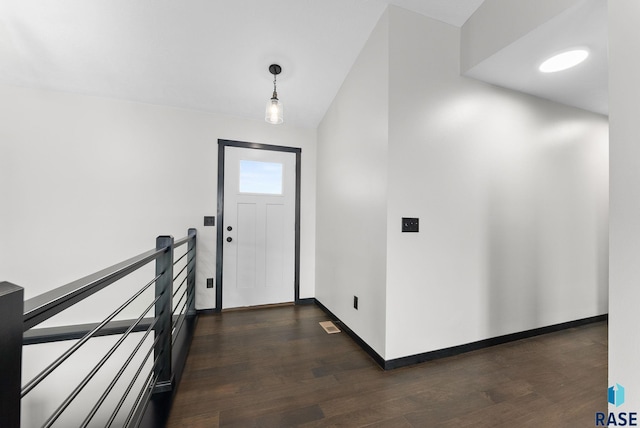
(210,55)
(586,86)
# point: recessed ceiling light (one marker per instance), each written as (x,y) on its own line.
(564,60)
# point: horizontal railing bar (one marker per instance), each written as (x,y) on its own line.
(185,306)
(95,370)
(144,392)
(191,299)
(180,258)
(188,264)
(50,303)
(177,289)
(189,271)
(62,358)
(177,304)
(130,387)
(37,336)
(73,332)
(118,375)
(181,270)
(182,241)
(179,321)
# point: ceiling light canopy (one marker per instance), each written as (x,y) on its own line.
(564,60)
(274,112)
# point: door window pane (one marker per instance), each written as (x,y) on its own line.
(260,177)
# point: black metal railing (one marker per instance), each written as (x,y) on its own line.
(148,365)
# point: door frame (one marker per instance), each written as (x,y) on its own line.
(222,145)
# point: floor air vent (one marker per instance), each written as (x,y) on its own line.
(329,327)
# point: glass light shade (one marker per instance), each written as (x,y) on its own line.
(274,112)
(564,61)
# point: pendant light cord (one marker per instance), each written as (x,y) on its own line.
(275,93)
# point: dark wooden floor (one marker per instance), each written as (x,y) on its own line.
(276,367)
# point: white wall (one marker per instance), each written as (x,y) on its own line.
(86,182)
(624,262)
(351,204)
(511,192)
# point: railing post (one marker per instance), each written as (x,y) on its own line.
(163,308)
(12,310)
(191,280)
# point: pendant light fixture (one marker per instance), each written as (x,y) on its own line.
(274,112)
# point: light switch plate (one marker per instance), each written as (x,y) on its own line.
(410,224)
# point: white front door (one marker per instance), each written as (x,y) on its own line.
(258,259)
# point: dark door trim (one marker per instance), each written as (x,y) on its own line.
(222,144)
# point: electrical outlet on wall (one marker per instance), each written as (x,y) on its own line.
(355,302)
